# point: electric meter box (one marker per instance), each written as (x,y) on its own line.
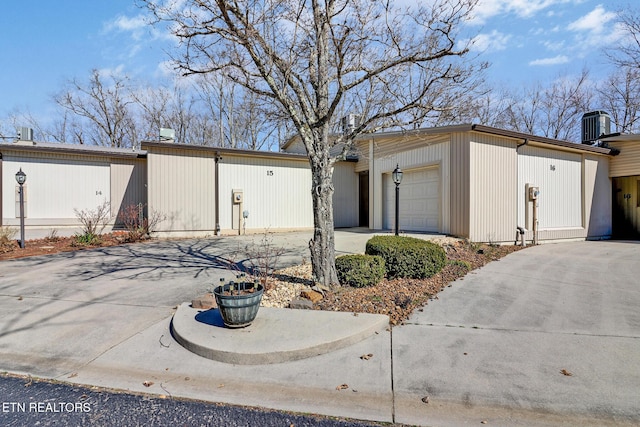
(237,196)
(534,192)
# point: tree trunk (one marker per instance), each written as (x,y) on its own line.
(322,246)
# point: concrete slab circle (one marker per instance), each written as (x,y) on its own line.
(277,335)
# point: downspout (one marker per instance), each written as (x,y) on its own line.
(372,206)
(217,192)
(1,216)
(520,230)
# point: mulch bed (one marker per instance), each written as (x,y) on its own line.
(52,245)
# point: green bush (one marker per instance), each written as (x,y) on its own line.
(407,256)
(461,264)
(360,270)
(86,239)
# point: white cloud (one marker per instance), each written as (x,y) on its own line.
(596,29)
(166,69)
(490,42)
(538,31)
(594,22)
(134,25)
(554,45)
(113,72)
(556,60)
(486,9)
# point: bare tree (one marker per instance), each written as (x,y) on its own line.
(217,98)
(104,104)
(153,107)
(627,51)
(311,59)
(162,107)
(6,131)
(553,111)
(19,117)
(564,103)
(241,120)
(525,110)
(619,95)
(492,108)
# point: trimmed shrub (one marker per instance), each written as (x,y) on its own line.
(408,256)
(360,271)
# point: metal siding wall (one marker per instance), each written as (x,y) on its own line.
(8,183)
(459,187)
(492,195)
(345,196)
(560,200)
(431,155)
(598,216)
(362,148)
(56,185)
(278,200)
(626,163)
(181,185)
(128,184)
(390,147)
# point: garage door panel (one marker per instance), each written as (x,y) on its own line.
(419,201)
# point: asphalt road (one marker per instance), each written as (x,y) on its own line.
(27,402)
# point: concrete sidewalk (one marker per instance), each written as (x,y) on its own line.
(492,348)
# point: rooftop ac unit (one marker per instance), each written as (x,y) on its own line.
(594,125)
(25,134)
(167,134)
(350,122)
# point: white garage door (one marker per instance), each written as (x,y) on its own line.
(419,201)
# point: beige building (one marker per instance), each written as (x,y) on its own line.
(62,178)
(205,190)
(472,181)
(625,177)
(469,181)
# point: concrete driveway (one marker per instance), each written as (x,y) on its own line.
(553,329)
(493,347)
(72,307)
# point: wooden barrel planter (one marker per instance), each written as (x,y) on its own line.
(238,303)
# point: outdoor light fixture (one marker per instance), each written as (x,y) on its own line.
(397,179)
(21,178)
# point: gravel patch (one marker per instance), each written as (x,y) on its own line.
(396,298)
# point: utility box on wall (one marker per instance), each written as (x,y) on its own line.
(237,197)
(532,195)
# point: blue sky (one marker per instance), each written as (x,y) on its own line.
(45,43)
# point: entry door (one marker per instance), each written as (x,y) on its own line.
(626,207)
(363,205)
